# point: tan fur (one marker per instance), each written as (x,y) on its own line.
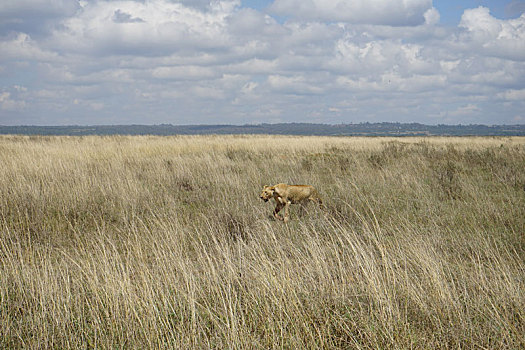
(284,195)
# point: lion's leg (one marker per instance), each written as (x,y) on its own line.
(302,208)
(277,209)
(287,211)
(321,205)
(318,201)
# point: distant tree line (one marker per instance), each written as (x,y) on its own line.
(361,129)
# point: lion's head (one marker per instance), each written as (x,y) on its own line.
(267,193)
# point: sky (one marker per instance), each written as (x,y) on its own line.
(101,62)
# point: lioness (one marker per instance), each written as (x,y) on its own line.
(285,195)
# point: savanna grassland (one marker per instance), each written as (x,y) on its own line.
(162,242)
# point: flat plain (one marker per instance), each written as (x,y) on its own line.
(163,242)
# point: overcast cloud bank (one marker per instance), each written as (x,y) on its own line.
(190,62)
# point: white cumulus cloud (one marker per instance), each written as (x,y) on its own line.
(500,38)
(167,61)
(386,12)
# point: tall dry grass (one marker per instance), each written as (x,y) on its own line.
(162,242)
